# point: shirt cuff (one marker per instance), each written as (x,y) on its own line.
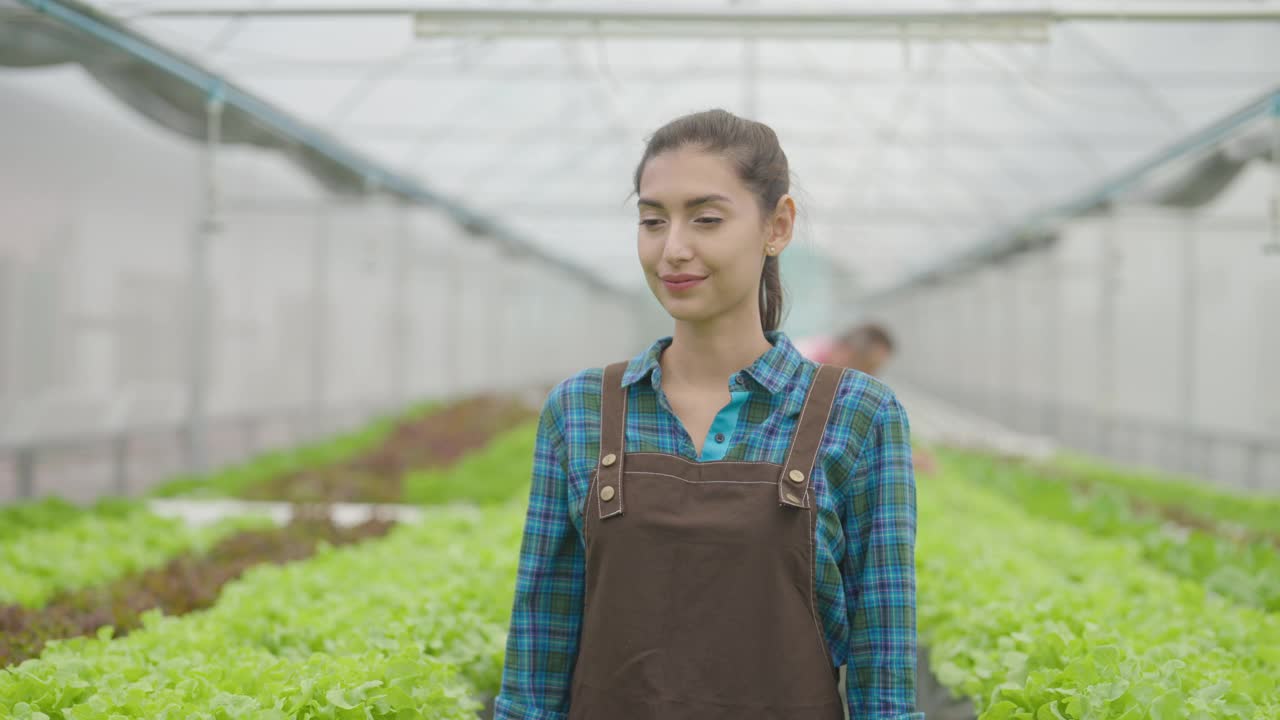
(504,709)
(901,716)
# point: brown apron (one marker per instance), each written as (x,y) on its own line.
(699,582)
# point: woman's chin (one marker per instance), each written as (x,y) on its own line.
(675,305)
(685,306)
(686,310)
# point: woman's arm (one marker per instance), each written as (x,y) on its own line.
(879,571)
(547,615)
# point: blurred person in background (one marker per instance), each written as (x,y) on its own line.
(868,348)
(718,525)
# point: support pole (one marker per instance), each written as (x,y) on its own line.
(1273,246)
(1052,349)
(320,305)
(1189,365)
(1009,317)
(120,464)
(452,304)
(993,382)
(1109,268)
(198,340)
(494,320)
(399,325)
(25,470)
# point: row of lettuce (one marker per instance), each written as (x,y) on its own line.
(1207,550)
(92,549)
(1054,591)
(408,625)
(1037,617)
(50,546)
(66,548)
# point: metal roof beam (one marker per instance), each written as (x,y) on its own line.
(965,78)
(956,139)
(736,20)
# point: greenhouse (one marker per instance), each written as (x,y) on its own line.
(352,355)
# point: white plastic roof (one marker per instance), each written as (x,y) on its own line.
(904,153)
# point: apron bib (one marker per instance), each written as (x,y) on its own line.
(699,601)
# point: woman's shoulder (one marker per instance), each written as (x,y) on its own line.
(860,397)
(580,392)
(865,419)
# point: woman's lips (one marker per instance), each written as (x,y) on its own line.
(677,283)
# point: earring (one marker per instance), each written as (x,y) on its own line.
(772,250)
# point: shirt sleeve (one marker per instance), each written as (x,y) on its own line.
(542,643)
(879,572)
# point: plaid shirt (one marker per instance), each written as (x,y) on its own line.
(864,542)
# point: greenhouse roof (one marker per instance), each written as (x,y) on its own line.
(917,133)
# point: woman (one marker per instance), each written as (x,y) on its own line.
(718,525)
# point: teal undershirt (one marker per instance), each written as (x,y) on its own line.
(726,420)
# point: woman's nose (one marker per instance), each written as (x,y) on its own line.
(675,247)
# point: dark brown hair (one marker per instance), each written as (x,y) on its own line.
(867,334)
(762,166)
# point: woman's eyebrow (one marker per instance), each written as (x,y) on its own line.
(689,204)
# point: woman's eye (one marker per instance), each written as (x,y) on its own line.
(709,220)
(650,222)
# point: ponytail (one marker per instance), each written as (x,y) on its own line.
(771,295)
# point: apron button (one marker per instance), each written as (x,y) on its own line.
(609,460)
(792,498)
(606,493)
(796,476)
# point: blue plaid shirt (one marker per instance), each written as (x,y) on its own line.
(864,540)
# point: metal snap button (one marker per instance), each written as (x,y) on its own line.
(796,476)
(607,493)
(609,460)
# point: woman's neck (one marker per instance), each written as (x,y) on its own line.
(705,355)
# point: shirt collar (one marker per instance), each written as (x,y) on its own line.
(774,370)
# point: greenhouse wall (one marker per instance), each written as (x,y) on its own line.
(1148,334)
(322,310)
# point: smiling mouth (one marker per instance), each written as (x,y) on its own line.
(681,282)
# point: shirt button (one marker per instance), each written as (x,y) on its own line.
(719,437)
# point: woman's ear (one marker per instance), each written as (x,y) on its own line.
(782,226)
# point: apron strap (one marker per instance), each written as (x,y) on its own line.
(793,484)
(613,424)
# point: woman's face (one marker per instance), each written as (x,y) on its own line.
(702,240)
